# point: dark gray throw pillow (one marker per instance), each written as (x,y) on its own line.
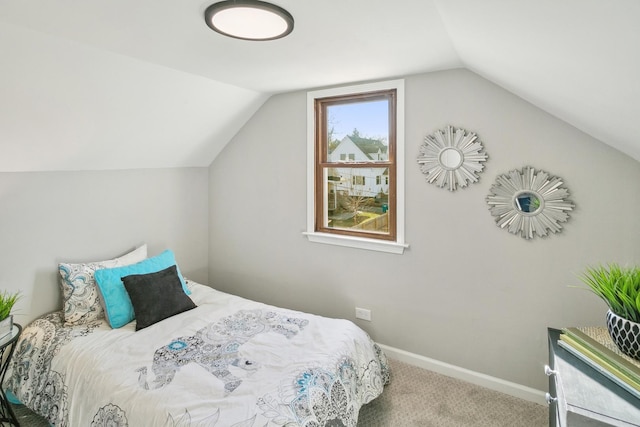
(156,296)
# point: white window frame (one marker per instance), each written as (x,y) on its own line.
(396,247)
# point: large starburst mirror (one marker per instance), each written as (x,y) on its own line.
(451,158)
(529,203)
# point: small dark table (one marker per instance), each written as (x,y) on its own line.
(7,346)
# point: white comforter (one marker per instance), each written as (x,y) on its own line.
(229,362)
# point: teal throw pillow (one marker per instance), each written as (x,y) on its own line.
(117,304)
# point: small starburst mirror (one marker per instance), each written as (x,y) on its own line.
(529,203)
(451,158)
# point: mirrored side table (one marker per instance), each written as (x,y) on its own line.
(7,346)
(581,396)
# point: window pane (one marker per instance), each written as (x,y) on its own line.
(356,200)
(358,131)
(355,166)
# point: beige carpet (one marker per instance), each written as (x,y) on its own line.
(417,397)
(420,398)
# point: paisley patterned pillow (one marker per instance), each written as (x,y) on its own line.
(79,290)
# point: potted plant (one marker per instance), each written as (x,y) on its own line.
(7,301)
(619,287)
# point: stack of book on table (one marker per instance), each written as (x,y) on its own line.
(594,346)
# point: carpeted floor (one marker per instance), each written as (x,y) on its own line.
(420,398)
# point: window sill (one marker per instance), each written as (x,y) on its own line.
(357,242)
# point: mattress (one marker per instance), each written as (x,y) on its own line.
(229,362)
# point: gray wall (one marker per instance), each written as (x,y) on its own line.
(50,217)
(466,292)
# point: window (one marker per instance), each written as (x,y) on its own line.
(356,166)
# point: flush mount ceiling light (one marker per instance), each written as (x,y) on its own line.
(249,19)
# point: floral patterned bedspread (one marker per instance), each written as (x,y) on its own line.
(229,362)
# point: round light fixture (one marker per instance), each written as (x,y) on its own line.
(249,19)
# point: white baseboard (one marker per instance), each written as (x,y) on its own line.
(493,383)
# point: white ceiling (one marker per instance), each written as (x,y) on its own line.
(91,85)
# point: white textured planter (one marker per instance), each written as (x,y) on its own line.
(6,325)
(625,334)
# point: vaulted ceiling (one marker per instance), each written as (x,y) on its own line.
(117,84)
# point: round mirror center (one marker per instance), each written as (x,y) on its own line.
(450,158)
(527,202)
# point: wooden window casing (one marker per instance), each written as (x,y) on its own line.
(323,164)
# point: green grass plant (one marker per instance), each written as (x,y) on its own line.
(7,301)
(618,286)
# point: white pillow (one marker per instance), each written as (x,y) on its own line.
(80,294)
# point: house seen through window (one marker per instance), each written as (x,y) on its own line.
(355,188)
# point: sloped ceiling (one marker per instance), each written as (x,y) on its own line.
(118,84)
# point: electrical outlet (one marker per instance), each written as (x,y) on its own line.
(363,313)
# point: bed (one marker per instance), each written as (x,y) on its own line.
(228,361)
